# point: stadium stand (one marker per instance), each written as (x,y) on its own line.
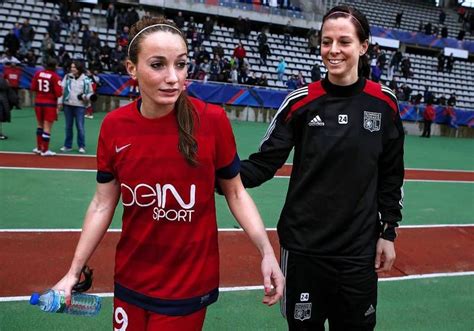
(296,54)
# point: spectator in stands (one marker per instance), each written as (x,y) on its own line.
(121,20)
(428,117)
(262,38)
(7,57)
(240,53)
(47,85)
(234,75)
(280,70)
(315,72)
(94,42)
(452,100)
(208,27)
(29,58)
(441,59)
(27,34)
(75,24)
(48,48)
(442,100)
(247,28)
(243,73)
(263,81)
(375,73)
(398,19)
(382,60)
(64,58)
(428,96)
(394,63)
(442,17)
(86,36)
(406,67)
(190,27)
(196,37)
(12,73)
(179,20)
(264,51)
(11,43)
(215,69)
(132,16)
(239,28)
(54,28)
(77,91)
(406,92)
(444,32)
(287,32)
(226,68)
(104,57)
(421,26)
(393,84)
(313,40)
(6,103)
(428,29)
(300,80)
(218,50)
(450,63)
(461,34)
(201,54)
(117,60)
(110,15)
(461,14)
(252,80)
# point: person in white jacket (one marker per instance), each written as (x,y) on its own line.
(77,94)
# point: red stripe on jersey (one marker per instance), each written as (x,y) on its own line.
(315,90)
(375,89)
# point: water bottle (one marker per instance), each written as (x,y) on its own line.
(54,301)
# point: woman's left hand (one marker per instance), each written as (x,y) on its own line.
(385,255)
(273,280)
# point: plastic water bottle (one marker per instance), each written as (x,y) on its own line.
(54,301)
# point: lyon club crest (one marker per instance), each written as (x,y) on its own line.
(302,311)
(372,121)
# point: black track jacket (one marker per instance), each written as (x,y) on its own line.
(345,189)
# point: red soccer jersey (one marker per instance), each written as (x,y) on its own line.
(47,85)
(168,247)
(12,74)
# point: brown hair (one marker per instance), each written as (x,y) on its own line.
(185,113)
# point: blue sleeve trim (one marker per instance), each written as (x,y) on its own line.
(231,170)
(104,177)
(165,306)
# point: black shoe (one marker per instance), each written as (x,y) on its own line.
(3,137)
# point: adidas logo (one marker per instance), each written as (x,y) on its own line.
(369,311)
(316,121)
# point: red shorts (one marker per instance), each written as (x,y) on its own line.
(128,317)
(48,114)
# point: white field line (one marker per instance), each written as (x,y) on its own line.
(260,287)
(235,230)
(59,154)
(279,177)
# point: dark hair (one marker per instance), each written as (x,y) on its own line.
(51,64)
(362,27)
(79,66)
(185,113)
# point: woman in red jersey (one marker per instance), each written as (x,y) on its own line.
(162,153)
(47,85)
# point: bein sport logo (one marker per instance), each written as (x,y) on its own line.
(144,195)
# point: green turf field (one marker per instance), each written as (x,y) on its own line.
(437,304)
(423,304)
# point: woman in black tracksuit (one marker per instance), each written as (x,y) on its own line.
(337,226)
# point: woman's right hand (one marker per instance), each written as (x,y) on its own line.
(66,284)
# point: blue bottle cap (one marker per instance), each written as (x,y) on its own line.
(34,298)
